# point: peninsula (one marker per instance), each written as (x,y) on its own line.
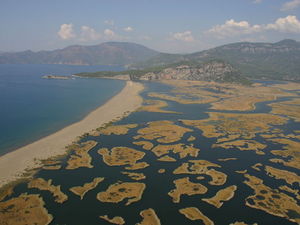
(56,77)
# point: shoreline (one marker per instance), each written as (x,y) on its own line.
(14,164)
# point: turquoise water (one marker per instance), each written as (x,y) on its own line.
(32,107)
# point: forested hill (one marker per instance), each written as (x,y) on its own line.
(279,60)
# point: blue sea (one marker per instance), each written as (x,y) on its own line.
(32,107)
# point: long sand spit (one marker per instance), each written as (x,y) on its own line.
(14,164)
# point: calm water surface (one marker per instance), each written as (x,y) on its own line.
(32,107)
(87,211)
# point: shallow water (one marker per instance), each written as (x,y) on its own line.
(87,211)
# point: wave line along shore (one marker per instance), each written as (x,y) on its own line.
(14,164)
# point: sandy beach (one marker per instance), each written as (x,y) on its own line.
(14,164)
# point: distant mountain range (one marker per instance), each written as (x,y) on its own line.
(279,60)
(109,53)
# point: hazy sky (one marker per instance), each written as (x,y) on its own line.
(164,25)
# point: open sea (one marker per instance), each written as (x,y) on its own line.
(32,107)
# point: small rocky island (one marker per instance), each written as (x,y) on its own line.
(56,77)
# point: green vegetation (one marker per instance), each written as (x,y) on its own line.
(134,74)
(279,61)
(209,71)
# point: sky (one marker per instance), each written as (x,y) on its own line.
(173,26)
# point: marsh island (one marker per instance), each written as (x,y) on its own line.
(196,152)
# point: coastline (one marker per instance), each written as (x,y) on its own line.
(14,164)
